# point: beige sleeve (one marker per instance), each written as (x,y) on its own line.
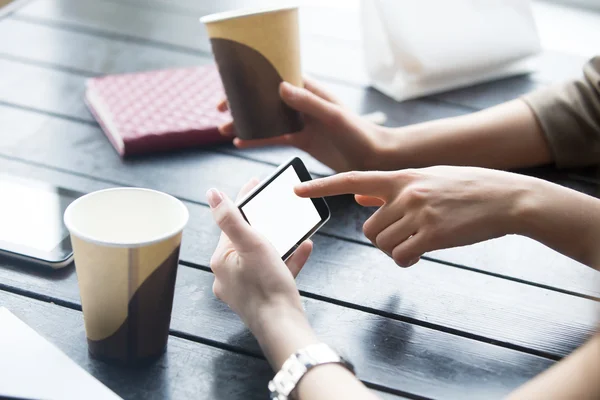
(569,115)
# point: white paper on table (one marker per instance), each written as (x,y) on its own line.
(414,48)
(33,368)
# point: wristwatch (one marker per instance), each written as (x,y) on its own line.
(298,364)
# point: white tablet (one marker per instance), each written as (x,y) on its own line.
(31,221)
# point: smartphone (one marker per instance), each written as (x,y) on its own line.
(31,221)
(284,218)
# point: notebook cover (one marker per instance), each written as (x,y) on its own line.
(157,111)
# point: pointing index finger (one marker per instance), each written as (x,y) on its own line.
(371,183)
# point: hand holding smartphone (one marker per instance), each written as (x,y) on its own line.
(284,218)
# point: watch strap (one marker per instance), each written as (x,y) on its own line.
(298,364)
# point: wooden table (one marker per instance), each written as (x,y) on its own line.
(475,321)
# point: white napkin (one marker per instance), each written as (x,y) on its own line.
(414,48)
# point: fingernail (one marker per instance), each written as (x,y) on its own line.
(412,262)
(300,187)
(290,89)
(214,198)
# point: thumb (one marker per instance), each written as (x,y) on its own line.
(232,223)
(309,103)
(299,258)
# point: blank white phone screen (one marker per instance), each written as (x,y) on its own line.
(279,214)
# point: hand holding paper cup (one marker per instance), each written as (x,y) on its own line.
(255,51)
(126,247)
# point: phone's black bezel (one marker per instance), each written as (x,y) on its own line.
(59,254)
(318,202)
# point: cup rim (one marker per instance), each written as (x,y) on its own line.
(243,12)
(67,219)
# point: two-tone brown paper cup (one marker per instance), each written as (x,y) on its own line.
(126,247)
(255,50)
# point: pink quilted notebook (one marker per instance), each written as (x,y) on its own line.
(157,111)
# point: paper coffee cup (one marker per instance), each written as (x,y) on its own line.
(126,247)
(255,50)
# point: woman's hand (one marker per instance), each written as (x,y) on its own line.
(253,280)
(250,276)
(429,209)
(332,134)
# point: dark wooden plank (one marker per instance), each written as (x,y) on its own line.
(35,43)
(549,67)
(115,56)
(329,20)
(181,31)
(233,189)
(467,303)
(32,43)
(50,94)
(187,370)
(333,32)
(341,20)
(338,58)
(46,44)
(29,123)
(489,94)
(526,259)
(62,284)
(394,354)
(362,101)
(61,85)
(184,6)
(329,56)
(337,28)
(388,396)
(61,92)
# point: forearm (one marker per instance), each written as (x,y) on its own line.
(503,137)
(575,377)
(563,219)
(280,333)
